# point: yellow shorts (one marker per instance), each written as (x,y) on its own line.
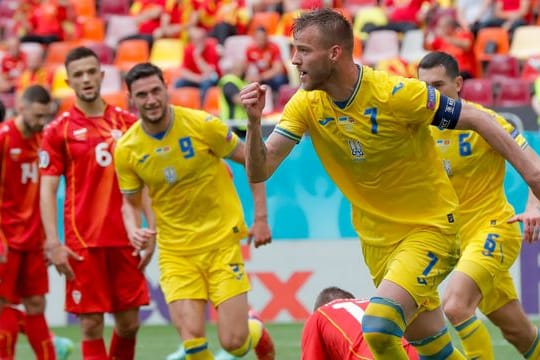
(486,257)
(216,275)
(418,263)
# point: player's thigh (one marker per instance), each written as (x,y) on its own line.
(417,264)
(183,277)
(489,253)
(233,318)
(89,291)
(35,275)
(9,277)
(226,274)
(128,286)
(189,317)
(503,293)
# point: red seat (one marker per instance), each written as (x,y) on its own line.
(531,69)
(478,90)
(513,92)
(501,67)
(113,7)
(104,52)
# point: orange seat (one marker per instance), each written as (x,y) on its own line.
(93,29)
(358,49)
(498,36)
(170,75)
(186,96)
(130,53)
(267,19)
(85,8)
(286,22)
(65,104)
(119,98)
(56,53)
(211,101)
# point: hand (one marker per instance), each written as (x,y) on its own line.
(141,238)
(146,255)
(59,256)
(531,224)
(260,233)
(253,99)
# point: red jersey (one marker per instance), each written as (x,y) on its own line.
(46,19)
(405,10)
(209,54)
(19,189)
(263,58)
(464,58)
(334,332)
(12,67)
(147,27)
(81,148)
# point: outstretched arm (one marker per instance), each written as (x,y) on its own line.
(530,219)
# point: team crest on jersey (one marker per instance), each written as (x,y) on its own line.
(116,134)
(447,167)
(44,159)
(170,174)
(357,151)
(80,134)
(15,153)
(76,296)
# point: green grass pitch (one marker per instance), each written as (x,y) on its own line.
(155,342)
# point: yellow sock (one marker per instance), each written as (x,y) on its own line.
(475,339)
(197,349)
(437,347)
(383,324)
(255,331)
(534,352)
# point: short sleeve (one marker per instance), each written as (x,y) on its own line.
(293,123)
(312,341)
(52,155)
(218,136)
(413,101)
(128,181)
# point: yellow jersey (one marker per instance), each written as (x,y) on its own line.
(378,149)
(193,196)
(477,173)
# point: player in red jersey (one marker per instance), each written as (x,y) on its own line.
(97,259)
(334,330)
(23,271)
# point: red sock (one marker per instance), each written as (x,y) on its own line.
(94,350)
(122,348)
(39,336)
(9,328)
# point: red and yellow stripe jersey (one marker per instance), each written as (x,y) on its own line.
(81,148)
(378,149)
(20,222)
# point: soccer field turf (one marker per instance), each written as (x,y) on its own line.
(155,342)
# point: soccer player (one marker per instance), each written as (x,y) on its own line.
(101,272)
(334,330)
(371,131)
(177,154)
(23,271)
(490,243)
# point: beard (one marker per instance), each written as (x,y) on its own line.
(88,98)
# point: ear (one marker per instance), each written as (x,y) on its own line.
(335,53)
(459,83)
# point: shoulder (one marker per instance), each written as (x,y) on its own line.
(131,137)
(60,121)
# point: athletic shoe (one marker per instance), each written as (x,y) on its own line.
(265,349)
(179,354)
(63,347)
(223,355)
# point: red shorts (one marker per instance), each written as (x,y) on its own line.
(24,274)
(107,280)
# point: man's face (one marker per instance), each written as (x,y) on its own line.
(85,77)
(312,59)
(439,79)
(150,96)
(35,116)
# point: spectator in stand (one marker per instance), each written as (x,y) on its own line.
(509,14)
(201,58)
(222,18)
(178,16)
(35,74)
(405,15)
(451,38)
(48,21)
(147,14)
(471,13)
(12,65)
(265,56)
(230,104)
(535,101)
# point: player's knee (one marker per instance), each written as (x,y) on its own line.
(92,325)
(456,311)
(34,305)
(234,340)
(127,329)
(383,324)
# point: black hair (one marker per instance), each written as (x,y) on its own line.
(36,94)
(143,70)
(331,293)
(439,58)
(2,111)
(78,53)
(333,27)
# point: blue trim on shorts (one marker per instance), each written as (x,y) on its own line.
(376,324)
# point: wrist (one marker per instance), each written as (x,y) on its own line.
(262,217)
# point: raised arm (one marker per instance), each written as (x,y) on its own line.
(526,163)
(262,159)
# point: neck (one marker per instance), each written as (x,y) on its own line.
(19,124)
(159,126)
(94,108)
(343,83)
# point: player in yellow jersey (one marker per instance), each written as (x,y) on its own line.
(489,243)
(371,132)
(176,153)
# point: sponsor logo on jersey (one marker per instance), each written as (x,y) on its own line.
(14,153)
(325,121)
(450,218)
(397,87)
(143,159)
(80,134)
(44,159)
